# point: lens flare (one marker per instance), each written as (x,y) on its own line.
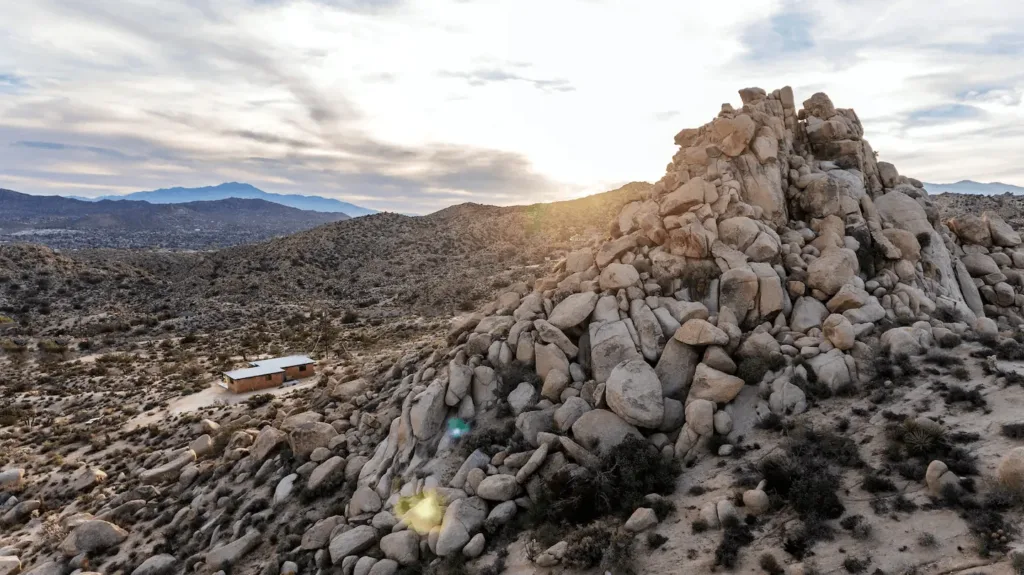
(421,512)
(457,428)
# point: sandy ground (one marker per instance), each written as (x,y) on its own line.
(893,545)
(214,395)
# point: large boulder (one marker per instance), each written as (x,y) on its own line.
(1001,232)
(733,135)
(171,470)
(971,229)
(694,192)
(91,536)
(163,564)
(839,332)
(834,269)
(618,276)
(351,542)
(738,291)
(267,442)
(573,310)
(675,368)
(610,345)
(223,557)
(462,519)
(807,313)
(403,546)
(498,487)
(428,411)
(979,265)
(700,332)
(714,385)
(600,430)
(1011,470)
(309,436)
(634,393)
(831,369)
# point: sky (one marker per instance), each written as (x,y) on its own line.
(415,105)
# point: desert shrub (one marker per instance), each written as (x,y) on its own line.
(735,536)
(961,373)
(854,565)
(626,474)
(927,540)
(924,440)
(1009,350)
(485,438)
(752,369)
(1013,430)
(655,540)
(875,484)
(699,525)
(697,276)
(600,545)
(259,400)
(957,394)
(770,564)
(941,358)
(806,475)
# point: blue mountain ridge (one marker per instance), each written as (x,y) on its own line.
(227,190)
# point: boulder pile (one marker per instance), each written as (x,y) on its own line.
(774,250)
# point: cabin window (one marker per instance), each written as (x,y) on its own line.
(302,368)
(268,378)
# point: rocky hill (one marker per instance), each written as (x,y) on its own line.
(779,358)
(68,223)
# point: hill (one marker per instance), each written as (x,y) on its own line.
(776,359)
(243,191)
(69,223)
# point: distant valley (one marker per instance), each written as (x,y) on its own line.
(241,191)
(67,223)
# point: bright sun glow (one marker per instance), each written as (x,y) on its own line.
(421,512)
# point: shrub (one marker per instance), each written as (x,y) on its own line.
(875,484)
(735,536)
(752,369)
(770,564)
(599,544)
(655,540)
(1013,430)
(854,565)
(942,359)
(927,540)
(627,473)
(259,400)
(699,525)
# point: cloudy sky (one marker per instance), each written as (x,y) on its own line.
(414,105)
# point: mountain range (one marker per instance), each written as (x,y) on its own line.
(972,187)
(239,190)
(70,223)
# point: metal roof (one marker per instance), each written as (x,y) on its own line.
(252,372)
(283,362)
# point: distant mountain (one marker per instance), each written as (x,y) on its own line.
(70,223)
(972,187)
(242,191)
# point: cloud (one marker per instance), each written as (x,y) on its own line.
(54,146)
(487,76)
(943,114)
(785,32)
(414,106)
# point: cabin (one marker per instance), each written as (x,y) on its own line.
(267,373)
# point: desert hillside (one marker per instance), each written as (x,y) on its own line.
(783,357)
